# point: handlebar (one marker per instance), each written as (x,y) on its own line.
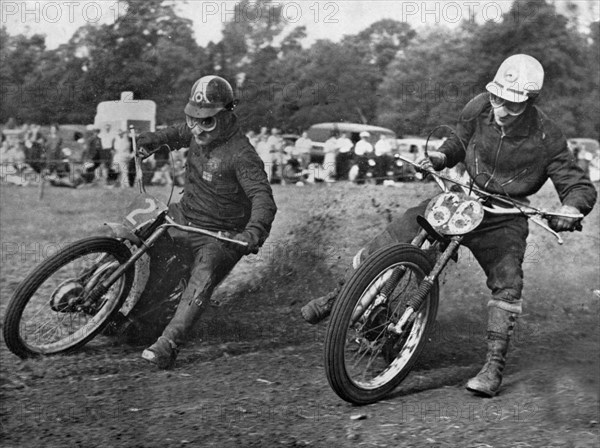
(218,235)
(517,207)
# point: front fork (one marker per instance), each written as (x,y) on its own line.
(378,294)
(416,301)
(368,304)
(102,288)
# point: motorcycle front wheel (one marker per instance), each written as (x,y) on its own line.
(364,359)
(61,305)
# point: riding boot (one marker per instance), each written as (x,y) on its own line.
(318,309)
(164,351)
(500,326)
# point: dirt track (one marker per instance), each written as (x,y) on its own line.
(253,375)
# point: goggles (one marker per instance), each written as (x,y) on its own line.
(511,108)
(205,124)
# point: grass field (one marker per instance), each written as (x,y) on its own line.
(254,352)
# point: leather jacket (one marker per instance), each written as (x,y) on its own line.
(519,161)
(226,186)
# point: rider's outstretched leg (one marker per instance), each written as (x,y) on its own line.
(164,351)
(502,317)
(402,229)
(499,245)
(213,261)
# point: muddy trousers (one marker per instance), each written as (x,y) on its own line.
(213,260)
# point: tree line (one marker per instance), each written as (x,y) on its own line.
(388,74)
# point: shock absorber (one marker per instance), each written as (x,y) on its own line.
(385,291)
(415,302)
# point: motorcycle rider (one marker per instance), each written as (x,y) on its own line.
(510,147)
(226,190)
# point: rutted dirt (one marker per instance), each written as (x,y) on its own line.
(253,373)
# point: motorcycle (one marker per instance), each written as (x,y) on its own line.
(125,284)
(384,313)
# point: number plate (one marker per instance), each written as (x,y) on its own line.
(143,209)
(454,213)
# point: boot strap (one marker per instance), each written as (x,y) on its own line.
(171,343)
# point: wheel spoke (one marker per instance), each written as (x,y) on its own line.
(44,330)
(368,365)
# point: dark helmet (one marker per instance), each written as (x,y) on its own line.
(209,96)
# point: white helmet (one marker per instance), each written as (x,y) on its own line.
(364,134)
(519,78)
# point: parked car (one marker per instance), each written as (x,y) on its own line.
(414,147)
(587,153)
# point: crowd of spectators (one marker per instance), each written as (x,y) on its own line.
(103,157)
(92,157)
(340,159)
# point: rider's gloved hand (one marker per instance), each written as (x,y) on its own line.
(562,223)
(252,243)
(436,161)
(146,143)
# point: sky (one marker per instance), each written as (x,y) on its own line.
(58,20)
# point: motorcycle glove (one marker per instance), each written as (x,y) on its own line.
(246,237)
(564,223)
(436,160)
(147,142)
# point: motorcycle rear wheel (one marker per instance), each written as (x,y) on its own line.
(51,311)
(364,361)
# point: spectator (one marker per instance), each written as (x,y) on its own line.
(275,143)
(363,146)
(414,150)
(362,150)
(344,158)
(264,152)
(54,153)
(12,161)
(383,155)
(121,157)
(264,132)
(107,152)
(35,148)
(93,154)
(63,174)
(302,149)
(330,149)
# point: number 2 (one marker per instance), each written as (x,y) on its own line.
(139,211)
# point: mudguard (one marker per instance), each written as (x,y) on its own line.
(142,266)
(119,230)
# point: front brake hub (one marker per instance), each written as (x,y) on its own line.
(67,297)
(375,324)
